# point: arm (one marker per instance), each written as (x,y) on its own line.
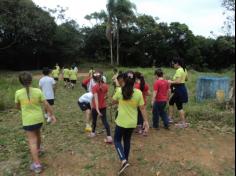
(177,81)
(49,110)
(96,104)
(145,118)
(154,94)
(18,106)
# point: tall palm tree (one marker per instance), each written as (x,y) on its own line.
(121,13)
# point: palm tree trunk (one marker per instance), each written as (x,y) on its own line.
(118,44)
(111,47)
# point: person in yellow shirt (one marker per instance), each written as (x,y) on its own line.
(179,92)
(129,100)
(29,100)
(57,67)
(66,75)
(55,74)
(73,77)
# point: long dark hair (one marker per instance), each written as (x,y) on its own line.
(180,61)
(25,79)
(139,76)
(128,88)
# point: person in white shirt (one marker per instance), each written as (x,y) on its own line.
(47,85)
(84,103)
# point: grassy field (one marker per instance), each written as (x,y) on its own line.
(205,149)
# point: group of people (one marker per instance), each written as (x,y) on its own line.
(130,97)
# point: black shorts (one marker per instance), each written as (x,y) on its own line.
(175,99)
(33,127)
(73,81)
(51,102)
(84,106)
(66,79)
(56,79)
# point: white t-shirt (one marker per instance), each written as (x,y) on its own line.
(46,83)
(91,84)
(86,98)
(104,79)
(76,69)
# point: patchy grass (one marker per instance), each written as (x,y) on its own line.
(206,149)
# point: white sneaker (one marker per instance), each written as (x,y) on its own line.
(92,135)
(108,140)
(49,119)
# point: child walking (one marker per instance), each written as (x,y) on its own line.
(29,100)
(66,75)
(129,100)
(160,97)
(99,92)
(47,85)
(84,103)
(73,77)
(55,73)
(144,87)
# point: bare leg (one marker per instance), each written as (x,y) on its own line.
(182,116)
(33,142)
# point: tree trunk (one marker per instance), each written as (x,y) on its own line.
(118,44)
(111,47)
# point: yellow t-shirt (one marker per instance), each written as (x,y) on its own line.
(180,73)
(127,109)
(66,73)
(57,67)
(55,73)
(30,109)
(73,74)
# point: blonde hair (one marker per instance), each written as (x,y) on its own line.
(25,79)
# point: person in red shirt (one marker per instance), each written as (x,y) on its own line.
(160,96)
(85,83)
(141,85)
(100,90)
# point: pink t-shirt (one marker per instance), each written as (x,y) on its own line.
(162,87)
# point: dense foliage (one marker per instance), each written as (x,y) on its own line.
(30,38)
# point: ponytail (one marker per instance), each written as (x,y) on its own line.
(128,88)
(25,79)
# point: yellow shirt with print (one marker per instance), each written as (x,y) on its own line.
(31,110)
(66,73)
(181,74)
(127,109)
(55,73)
(73,74)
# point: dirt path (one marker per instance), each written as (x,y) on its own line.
(189,152)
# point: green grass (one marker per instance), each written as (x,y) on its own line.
(66,140)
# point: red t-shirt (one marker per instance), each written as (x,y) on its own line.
(162,87)
(86,81)
(101,91)
(145,91)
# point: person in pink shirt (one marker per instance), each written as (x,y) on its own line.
(160,97)
(143,86)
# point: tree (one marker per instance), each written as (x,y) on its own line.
(229,24)
(121,12)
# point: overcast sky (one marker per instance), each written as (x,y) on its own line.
(202,16)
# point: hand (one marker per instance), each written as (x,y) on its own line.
(146,126)
(169,81)
(100,114)
(53,118)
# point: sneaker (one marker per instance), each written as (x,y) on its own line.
(123,167)
(181,125)
(92,135)
(108,140)
(171,120)
(145,134)
(49,119)
(36,168)
(88,129)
